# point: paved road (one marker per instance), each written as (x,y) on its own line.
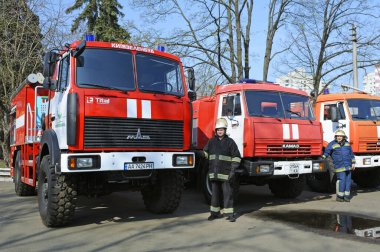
(119,222)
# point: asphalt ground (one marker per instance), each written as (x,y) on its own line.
(119,222)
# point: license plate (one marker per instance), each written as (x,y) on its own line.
(138,166)
(293,169)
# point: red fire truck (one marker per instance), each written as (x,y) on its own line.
(107,117)
(274,128)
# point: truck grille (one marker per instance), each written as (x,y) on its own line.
(373,146)
(279,150)
(105,132)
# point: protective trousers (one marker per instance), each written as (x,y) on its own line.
(219,188)
(343,184)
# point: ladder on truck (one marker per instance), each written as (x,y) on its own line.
(30,149)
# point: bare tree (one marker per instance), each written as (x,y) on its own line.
(277,14)
(321,38)
(29,27)
(20,54)
(213,33)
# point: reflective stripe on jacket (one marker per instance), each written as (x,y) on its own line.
(223,156)
(341,154)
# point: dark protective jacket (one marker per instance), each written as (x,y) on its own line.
(341,154)
(223,156)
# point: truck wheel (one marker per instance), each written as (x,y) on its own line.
(321,182)
(367,179)
(165,194)
(286,187)
(207,190)
(206,184)
(56,195)
(21,188)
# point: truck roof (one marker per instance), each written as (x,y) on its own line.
(114,45)
(344,96)
(256,86)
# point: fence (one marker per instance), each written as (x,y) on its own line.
(4,175)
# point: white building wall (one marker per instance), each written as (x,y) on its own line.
(298,79)
(371,81)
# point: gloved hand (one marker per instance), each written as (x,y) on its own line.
(199,153)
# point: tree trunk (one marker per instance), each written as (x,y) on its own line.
(238,40)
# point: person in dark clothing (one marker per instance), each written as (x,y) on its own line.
(344,162)
(224,158)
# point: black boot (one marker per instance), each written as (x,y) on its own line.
(231,218)
(339,199)
(214,216)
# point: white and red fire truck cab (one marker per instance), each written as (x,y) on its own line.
(107,114)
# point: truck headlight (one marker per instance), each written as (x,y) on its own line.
(84,162)
(183,160)
(264,168)
(318,167)
(366,161)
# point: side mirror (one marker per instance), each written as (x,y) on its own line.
(334,114)
(49,63)
(192,95)
(191,78)
(79,50)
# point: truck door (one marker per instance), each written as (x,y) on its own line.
(230,109)
(330,125)
(59,102)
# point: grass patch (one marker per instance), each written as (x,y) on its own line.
(2,164)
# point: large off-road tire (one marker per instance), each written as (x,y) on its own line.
(21,188)
(56,195)
(368,179)
(207,189)
(164,195)
(322,182)
(286,187)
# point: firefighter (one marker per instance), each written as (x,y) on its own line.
(344,162)
(224,158)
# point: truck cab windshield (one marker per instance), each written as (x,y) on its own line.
(362,110)
(158,75)
(278,105)
(111,69)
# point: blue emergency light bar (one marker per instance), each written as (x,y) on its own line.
(89,37)
(161,48)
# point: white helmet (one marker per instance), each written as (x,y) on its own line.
(221,123)
(340,132)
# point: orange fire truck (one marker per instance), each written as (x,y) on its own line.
(358,114)
(107,117)
(274,128)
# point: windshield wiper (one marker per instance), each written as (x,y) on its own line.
(101,86)
(359,117)
(293,112)
(161,92)
(266,116)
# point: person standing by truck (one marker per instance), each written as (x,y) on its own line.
(344,162)
(223,157)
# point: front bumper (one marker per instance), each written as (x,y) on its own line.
(367,161)
(281,168)
(115,161)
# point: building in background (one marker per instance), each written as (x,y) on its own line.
(298,79)
(371,82)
